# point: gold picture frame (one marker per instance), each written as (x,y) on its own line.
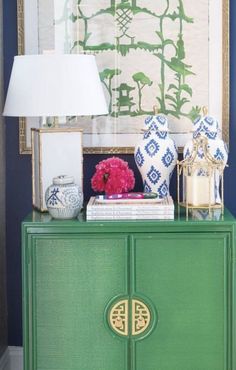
(23,127)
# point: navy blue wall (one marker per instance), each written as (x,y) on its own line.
(18,196)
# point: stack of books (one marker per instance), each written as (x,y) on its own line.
(130,209)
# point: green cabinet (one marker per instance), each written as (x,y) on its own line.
(128,295)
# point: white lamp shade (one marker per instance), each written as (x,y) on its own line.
(50,85)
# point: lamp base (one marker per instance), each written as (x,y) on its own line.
(55,151)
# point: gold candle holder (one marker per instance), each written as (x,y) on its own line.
(200,179)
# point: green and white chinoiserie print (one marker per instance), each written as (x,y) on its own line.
(149,52)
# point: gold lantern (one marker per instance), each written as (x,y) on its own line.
(201,178)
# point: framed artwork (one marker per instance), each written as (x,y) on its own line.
(172,54)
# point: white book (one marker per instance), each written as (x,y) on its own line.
(100,200)
(131,210)
(130,217)
(117,212)
(165,204)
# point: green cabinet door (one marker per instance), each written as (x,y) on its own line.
(68,282)
(185,277)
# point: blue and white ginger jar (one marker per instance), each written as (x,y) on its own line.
(64,199)
(156,156)
(208,127)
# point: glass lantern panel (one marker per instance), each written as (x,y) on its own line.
(199,187)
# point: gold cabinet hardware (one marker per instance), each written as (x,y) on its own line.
(141,317)
(119,317)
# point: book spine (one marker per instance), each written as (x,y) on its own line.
(127,213)
(130,217)
(130,207)
(131,210)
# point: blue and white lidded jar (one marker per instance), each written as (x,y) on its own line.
(156,156)
(208,127)
(64,199)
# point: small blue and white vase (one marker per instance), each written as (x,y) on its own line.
(208,127)
(64,199)
(156,156)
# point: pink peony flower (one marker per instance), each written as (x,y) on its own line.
(113,176)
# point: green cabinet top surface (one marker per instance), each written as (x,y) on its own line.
(34,221)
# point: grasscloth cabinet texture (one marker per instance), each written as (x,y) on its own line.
(128,295)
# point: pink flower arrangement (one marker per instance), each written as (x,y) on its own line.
(113,176)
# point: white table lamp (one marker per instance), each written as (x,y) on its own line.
(55,85)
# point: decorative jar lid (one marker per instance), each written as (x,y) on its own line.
(63,180)
(206,123)
(157,123)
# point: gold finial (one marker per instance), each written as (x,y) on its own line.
(204,110)
(155,110)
